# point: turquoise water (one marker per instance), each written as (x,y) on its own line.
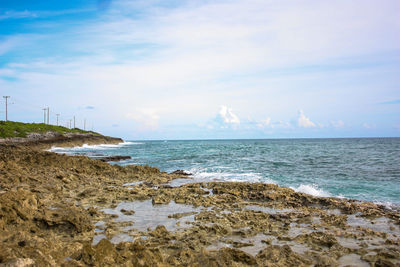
(364,169)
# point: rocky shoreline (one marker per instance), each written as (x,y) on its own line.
(49,139)
(58,210)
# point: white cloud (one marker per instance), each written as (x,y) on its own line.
(191,54)
(17,15)
(8,44)
(304,121)
(6,72)
(228,116)
(12,14)
(225,119)
(145,119)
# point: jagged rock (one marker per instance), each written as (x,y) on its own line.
(111,158)
(19,262)
(181,172)
(49,204)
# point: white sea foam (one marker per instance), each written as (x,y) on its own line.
(311,190)
(231,177)
(389,205)
(255,178)
(84,147)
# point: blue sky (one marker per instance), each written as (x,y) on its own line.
(205,69)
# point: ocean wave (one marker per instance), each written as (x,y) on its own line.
(231,177)
(90,147)
(131,143)
(311,190)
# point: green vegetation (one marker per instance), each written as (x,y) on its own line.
(20,129)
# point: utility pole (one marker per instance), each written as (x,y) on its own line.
(6,97)
(74,122)
(70,123)
(48,115)
(57,118)
(84,124)
(44,115)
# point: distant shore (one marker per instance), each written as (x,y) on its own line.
(47,140)
(73,211)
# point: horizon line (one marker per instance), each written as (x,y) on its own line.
(251,139)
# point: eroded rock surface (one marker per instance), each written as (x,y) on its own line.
(58,210)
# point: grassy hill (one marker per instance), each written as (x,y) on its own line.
(19,129)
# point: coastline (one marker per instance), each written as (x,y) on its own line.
(51,201)
(49,139)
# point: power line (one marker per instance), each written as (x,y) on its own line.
(6,97)
(44,115)
(29,106)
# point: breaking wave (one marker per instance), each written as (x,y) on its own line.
(311,190)
(85,147)
(231,177)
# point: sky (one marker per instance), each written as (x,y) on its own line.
(186,69)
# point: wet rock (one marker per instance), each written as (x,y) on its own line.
(323,260)
(280,256)
(49,204)
(161,232)
(318,239)
(181,172)
(19,262)
(158,200)
(140,255)
(111,158)
(335,220)
(180,215)
(104,253)
(70,219)
(230,256)
(127,212)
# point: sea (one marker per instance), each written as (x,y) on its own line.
(355,168)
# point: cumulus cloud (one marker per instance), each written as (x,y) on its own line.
(145,119)
(225,119)
(304,121)
(228,116)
